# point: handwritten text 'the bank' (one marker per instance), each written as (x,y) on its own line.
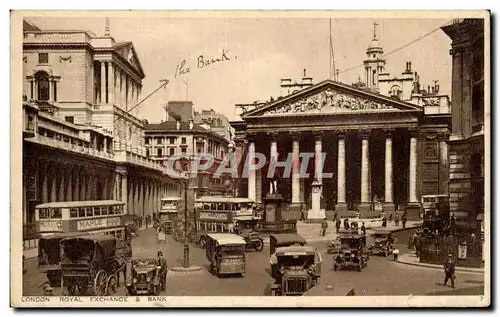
(201,62)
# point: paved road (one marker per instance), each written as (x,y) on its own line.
(381,277)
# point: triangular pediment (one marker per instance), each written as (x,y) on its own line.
(330,97)
(127,52)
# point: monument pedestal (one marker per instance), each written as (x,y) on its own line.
(316,214)
(413,212)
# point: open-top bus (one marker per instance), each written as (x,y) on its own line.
(58,220)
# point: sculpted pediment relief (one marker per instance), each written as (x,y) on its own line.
(328,101)
(129,55)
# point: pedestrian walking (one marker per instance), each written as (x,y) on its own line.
(449,271)
(335,216)
(384,222)
(363,229)
(396,220)
(395,254)
(302,213)
(390,217)
(338,223)
(324,226)
(403,220)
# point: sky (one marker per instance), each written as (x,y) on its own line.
(260,52)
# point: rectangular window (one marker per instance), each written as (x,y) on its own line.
(43,58)
(183,150)
(159,152)
(172,151)
(172,140)
(31,124)
(73,213)
(147,152)
(97,211)
(69,119)
(159,140)
(81,212)
(183,140)
(146,140)
(373,78)
(55,90)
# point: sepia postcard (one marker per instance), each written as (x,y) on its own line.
(219,159)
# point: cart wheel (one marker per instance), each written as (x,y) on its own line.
(100,283)
(111,285)
(259,245)
(203,242)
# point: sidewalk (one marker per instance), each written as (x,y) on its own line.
(411,259)
(310,231)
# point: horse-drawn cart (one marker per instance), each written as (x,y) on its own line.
(90,262)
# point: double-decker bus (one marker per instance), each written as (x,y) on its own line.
(218,214)
(58,220)
(168,213)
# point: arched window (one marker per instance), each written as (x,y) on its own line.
(395,92)
(42,79)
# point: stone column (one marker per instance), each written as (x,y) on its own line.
(124,185)
(111,83)
(105,189)
(316,214)
(61,189)
(413,168)
(51,89)
(251,172)
(45,183)
(83,186)
(76,192)
(273,158)
(389,197)
(69,186)
(141,199)
(443,164)
(296,169)
(341,206)
(103,83)
(365,198)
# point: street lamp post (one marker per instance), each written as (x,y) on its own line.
(186,242)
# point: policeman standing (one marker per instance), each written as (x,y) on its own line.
(449,271)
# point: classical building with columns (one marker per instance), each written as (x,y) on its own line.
(379,147)
(80,141)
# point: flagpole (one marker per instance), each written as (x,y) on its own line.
(330,41)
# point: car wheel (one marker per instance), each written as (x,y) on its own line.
(259,245)
(359,267)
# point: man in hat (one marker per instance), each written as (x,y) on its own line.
(449,271)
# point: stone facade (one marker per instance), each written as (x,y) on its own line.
(466,175)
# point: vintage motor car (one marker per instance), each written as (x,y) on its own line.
(226,253)
(245,227)
(382,243)
(352,254)
(295,266)
(90,261)
(144,278)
